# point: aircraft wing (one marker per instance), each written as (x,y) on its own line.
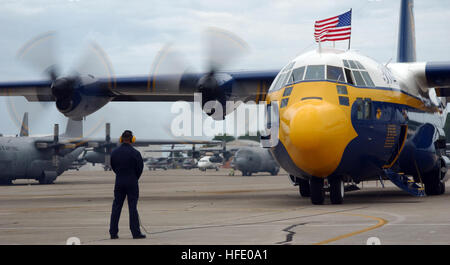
(426,75)
(48,142)
(237,85)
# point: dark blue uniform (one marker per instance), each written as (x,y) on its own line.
(127,163)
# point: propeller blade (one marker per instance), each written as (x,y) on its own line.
(94,62)
(40,54)
(170,71)
(223,47)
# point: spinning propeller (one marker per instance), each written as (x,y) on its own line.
(66,90)
(221,48)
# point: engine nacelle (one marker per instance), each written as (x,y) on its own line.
(76,97)
(216,89)
(95,157)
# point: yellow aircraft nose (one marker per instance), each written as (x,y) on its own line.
(319,132)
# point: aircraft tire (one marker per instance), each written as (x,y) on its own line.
(303,187)
(442,191)
(336,191)
(274,172)
(433,183)
(317,191)
(44,181)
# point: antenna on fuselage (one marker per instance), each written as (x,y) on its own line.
(388,62)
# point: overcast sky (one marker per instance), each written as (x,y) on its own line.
(132,33)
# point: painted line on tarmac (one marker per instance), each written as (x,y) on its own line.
(236,191)
(380,223)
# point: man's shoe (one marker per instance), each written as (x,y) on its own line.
(140,236)
(114,237)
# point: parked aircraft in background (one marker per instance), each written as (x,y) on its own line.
(41,158)
(208,162)
(250,160)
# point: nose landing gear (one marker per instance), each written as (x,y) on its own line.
(317,190)
(336,190)
(335,187)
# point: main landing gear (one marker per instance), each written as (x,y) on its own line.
(434,181)
(314,188)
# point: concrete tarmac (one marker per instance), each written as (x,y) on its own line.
(193,207)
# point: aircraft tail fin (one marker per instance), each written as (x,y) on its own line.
(24,129)
(74,129)
(406,50)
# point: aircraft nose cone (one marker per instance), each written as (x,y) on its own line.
(319,131)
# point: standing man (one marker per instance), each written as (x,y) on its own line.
(127,163)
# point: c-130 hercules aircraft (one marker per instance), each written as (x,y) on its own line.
(342,116)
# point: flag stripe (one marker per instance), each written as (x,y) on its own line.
(325,20)
(334,22)
(332,31)
(334,39)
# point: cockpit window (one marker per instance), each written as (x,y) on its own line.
(335,73)
(362,78)
(297,74)
(367,78)
(348,75)
(352,64)
(358,78)
(315,72)
(346,64)
(282,78)
(360,66)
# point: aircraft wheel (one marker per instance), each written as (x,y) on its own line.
(303,187)
(45,181)
(336,190)
(275,171)
(317,191)
(442,191)
(433,182)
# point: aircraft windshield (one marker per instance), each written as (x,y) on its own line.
(315,72)
(353,73)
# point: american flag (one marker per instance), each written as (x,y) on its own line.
(334,28)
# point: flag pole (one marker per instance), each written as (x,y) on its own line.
(350,38)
